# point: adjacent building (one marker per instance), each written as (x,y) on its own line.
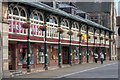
(118,35)
(103,13)
(119,8)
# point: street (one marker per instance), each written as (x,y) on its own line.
(106,71)
(92,70)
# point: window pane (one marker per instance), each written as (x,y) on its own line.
(54,20)
(35,16)
(62,23)
(40,55)
(41,18)
(66,23)
(50,20)
(15,11)
(23,13)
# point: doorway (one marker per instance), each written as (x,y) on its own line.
(65,55)
(12,57)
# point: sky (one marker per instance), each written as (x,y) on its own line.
(117,7)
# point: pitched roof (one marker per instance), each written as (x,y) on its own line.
(47,8)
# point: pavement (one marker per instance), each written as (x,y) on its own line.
(90,70)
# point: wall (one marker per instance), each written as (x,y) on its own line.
(5,28)
(0,41)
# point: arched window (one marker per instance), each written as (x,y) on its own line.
(40,17)
(97,31)
(15,11)
(31,16)
(83,27)
(35,16)
(22,13)
(50,19)
(77,26)
(91,29)
(54,20)
(73,25)
(102,32)
(10,11)
(66,23)
(63,23)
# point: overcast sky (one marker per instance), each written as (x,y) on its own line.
(117,8)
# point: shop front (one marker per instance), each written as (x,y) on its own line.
(18,55)
(53,54)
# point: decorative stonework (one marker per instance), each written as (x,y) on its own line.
(5,13)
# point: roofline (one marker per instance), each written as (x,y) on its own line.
(47,8)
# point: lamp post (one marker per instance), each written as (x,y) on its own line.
(105,47)
(79,35)
(45,44)
(70,33)
(70,51)
(27,26)
(44,28)
(60,31)
(87,46)
(94,44)
(109,46)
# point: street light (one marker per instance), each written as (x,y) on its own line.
(60,31)
(88,37)
(80,55)
(27,26)
(70,33)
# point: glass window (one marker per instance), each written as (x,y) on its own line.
(15,11)
(41,18)
(9,10)
(32,56)
(50,20)
(31,16)
(23,56)
(23,13)
(40,55)
(54,20)
(77,26)
(35,16)
(73,26)
(76,53)
(66,23)
(63,23)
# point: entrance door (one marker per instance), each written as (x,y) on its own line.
(65,54)
(11,57)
